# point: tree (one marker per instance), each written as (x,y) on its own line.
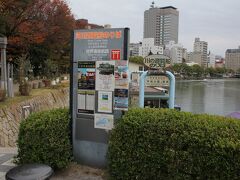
(197,70)
(136,59)
(186,70)
(177,68)
(41,29)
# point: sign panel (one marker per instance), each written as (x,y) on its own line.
(121,75)
(105,75)
(116,54)
(121,99)
(157,61)
(99,44)
(86,101)
(103,121)
(105,101)
(86,75)
(99,90)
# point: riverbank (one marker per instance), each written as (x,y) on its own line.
(14,110)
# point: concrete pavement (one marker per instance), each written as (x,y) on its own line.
(6,160)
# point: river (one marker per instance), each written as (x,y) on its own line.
(220,97)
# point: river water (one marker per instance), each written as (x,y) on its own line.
(220,97)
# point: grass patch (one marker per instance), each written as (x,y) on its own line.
(34,93)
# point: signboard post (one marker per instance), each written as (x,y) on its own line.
(156,65)
(99,90)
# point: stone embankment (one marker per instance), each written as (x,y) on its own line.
(11,116)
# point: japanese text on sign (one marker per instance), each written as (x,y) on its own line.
(99,35)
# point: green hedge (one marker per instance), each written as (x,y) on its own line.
(166,144)
(44,137)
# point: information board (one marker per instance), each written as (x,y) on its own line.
(99,90)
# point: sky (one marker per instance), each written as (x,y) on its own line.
(214,21)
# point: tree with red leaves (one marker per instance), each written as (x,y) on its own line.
(38,28)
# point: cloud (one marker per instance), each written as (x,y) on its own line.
(214,21)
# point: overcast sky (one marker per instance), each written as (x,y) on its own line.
(214,21)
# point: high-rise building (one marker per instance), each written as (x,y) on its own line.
(161,23)
(202,47)
(232,59)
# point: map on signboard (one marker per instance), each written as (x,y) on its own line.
(103,121)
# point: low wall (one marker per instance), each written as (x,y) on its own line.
(10,117)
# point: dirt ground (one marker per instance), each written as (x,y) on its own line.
(79,172)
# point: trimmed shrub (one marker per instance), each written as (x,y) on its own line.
(44,137)
(167,144)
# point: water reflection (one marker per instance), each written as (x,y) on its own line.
(212,96)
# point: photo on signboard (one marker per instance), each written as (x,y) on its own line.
(121,75)
(86,75)
(105,101)
(105,75)
(121,99)
(86,102)
(103,121)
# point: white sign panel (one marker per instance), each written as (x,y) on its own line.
(103,121)
(105,102)
(105,80)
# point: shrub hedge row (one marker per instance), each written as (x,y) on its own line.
(166,144)
(44,137)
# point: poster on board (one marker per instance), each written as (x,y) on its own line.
(121,75)
(86,75)
(105,101)
(121,99)
(105,76)
(86,102)
(103,121)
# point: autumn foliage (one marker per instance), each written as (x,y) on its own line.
(34,26)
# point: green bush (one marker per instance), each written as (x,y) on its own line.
(44,137)
(166,144)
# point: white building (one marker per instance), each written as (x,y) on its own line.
(211,60)
(148,46)
(202,47)
(135,67)
(176,52)
(134,49)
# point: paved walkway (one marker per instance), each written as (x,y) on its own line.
(6,160)
(73,172)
